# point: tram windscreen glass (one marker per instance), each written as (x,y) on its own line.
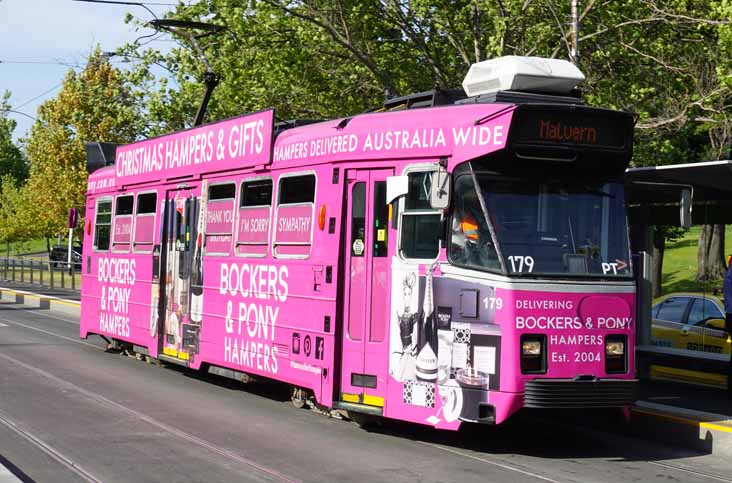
(563,227)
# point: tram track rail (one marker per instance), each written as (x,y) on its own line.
(49,450)
(690,471)
(263,470)
(268,473)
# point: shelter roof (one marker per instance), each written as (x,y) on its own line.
(653,192)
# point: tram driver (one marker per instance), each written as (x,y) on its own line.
(471,242)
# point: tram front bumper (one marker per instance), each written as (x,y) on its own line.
(573,393)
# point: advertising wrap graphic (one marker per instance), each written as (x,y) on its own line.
(447,353)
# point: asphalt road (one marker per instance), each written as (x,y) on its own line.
(71,412)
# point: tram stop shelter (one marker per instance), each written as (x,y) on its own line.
(666,355)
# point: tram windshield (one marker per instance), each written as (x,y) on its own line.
(569,227)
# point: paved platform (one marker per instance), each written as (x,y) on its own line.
(63,300)
(59,293)
(688,396)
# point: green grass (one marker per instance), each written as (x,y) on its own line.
(679,264)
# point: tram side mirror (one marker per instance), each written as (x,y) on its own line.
(440,190)
(396,186)
(685,208)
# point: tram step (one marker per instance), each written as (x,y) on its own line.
(359,408)
(172,360)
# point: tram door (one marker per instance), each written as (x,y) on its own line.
(179,332)
(365,345)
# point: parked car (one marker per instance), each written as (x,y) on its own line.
(690,321)
(59,256)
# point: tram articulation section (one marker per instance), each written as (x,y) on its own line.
(446,264)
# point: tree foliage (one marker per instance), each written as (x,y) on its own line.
(93,105)
(668,62)
(12,162)
(13,170)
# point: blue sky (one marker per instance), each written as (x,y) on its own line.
(37,37)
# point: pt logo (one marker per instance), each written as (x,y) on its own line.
(319,348)
(295,343)
(307,346)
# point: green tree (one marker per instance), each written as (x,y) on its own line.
(11,157)
(13,171)
(93,105)
(667,61)
(317,58)
(15,220)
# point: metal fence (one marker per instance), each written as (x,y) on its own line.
(43,273)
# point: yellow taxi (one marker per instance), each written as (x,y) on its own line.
(691,322)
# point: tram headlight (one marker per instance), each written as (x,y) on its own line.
(614,348)
(531,348)
(533,354)
(615,354)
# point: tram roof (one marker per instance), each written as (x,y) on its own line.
(410,133)
(455,132)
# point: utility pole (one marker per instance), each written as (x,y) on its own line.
(574,36)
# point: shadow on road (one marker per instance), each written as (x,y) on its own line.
(541,434)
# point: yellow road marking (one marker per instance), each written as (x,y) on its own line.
(56,300)
(675,373)
(717,425)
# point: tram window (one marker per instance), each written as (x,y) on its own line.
(145,222)
(122,231)
(381,220)
(421,226)
(124,205)
(103,225)
(471,243)
(256,193)
(147,203)
(220,218)
(297,189)
(252,234)
(222,192)
(293,227)
(358,219)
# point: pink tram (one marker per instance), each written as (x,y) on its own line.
(447,258)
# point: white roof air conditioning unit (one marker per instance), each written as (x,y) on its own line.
(535,74)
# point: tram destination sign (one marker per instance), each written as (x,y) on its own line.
(239,142)
(587,127)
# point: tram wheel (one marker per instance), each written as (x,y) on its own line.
(298,397)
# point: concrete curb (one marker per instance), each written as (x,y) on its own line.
(705,432)
(6,476)
(702,431)
(40,301)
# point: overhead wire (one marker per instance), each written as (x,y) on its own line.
(38,62)
(38,96)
